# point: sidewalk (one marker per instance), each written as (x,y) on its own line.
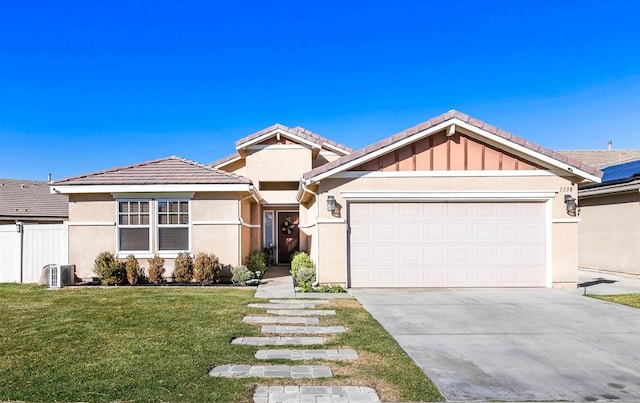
(276,283)
(625,284)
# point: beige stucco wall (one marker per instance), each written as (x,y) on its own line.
(276,164)
(215,228)
(331,240)
(609,238)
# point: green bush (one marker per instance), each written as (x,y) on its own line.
(183,268)
(109,269)
(305,276)
(206,268)
(300,260)
(332,288)
(133,269)
(257,261)
(156,269)
(241,274)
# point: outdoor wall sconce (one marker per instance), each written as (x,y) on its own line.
(572,206)
(331,203)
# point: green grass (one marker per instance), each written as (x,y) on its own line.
(158,344)
(632,300)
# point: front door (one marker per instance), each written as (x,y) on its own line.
(288,235)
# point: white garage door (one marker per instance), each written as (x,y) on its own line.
(447,244)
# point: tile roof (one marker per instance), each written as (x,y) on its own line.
(452,114)
(24,199)
(603,158)
(296,131)
(165,171)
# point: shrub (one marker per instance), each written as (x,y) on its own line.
(183,268)
(133,270)
(206,268)
(240,275)
(109,269)
(306,276)
(156,269)
(300,260)
(257,261)
(333,288)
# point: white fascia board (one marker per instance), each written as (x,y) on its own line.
(609,190)
(162,196)
(273,133)
(467,128)
(542,195)
(231,161)
(120,189)
(436,174)
(527,151)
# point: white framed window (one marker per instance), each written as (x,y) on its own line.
(134,226)
(173,225)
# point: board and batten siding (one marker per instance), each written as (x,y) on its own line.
(42,244)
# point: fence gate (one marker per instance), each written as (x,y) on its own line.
(36,246)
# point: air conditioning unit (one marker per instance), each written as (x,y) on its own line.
(60,276)
(55,276)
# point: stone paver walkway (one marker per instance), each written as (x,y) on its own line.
(284,320)
(286,354)
(277,341)
(298,305)
(271,371)
(299,301)
(315,394)
(302,329)
(294,312)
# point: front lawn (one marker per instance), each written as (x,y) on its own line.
(158,344)
(632,300)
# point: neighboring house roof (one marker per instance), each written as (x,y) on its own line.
(617,178)
(362,154)
(26,199)
(171,170)
(299,132)
(602,158)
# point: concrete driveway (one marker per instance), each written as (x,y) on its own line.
(514,344)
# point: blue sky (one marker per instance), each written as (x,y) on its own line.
(90,85)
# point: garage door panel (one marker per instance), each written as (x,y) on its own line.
(447,244)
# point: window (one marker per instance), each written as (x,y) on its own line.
(133,226)
(268,229)
(173,225)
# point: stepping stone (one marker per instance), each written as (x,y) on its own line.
(303,329)
(277,341)
(285,320)
(271,371)
(295,312)
(345,394)
(282,306)
(299,301)
(286,354)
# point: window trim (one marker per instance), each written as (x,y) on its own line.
(118,225)
(158,226)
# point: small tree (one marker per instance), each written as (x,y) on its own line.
(206,268)
(133,269)
(183,268)
(156,269)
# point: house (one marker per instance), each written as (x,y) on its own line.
(452,202)
(31,202)
(609,215)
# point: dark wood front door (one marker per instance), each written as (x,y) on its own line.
(288,235)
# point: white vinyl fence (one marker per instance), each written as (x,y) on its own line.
(42,244)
